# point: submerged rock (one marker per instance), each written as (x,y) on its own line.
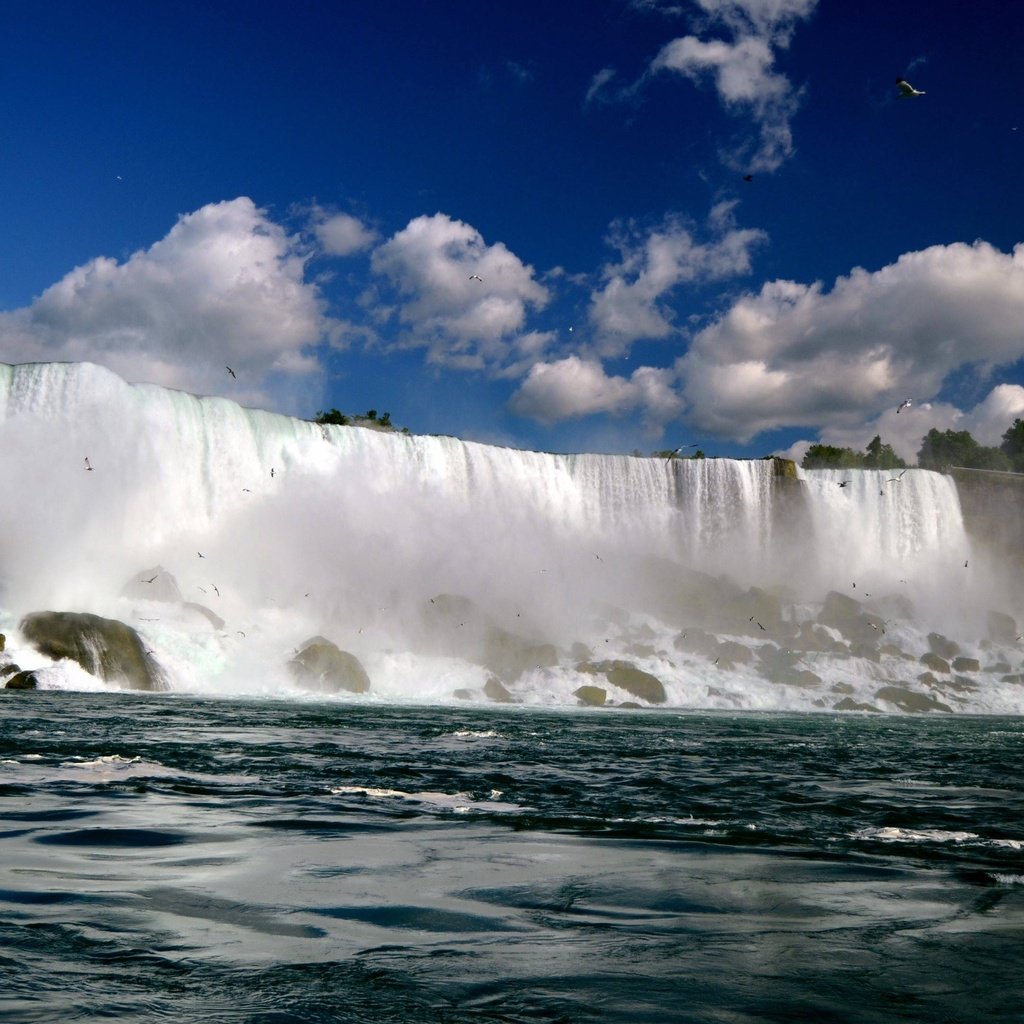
(907,700)
(105,648)
(323,666)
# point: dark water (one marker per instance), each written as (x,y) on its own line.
(171,858)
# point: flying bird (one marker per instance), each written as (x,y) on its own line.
(215,590)
(748,177)
(843,483)
(88,465)
(907,91)
(476,277)
(151,578)
(232,372)
(200,554)
(905,404)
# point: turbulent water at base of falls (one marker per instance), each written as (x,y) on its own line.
(264,531)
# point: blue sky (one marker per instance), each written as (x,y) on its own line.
(308,192)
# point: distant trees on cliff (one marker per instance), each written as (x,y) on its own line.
(876,456)
(939,450)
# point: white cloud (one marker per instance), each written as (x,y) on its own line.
(795,354)
(574,387)
(743,70)
(341,234)
(630,305)
(464,323)
(224,287)
(598,83)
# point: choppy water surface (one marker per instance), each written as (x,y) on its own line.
(184,859)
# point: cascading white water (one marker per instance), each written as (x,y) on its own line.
(286,529)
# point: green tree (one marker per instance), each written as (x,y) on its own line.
(1013,445)
(371,414)
(881,456)
(940,450)
(827,456)
(332,416)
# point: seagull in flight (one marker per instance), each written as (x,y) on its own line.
(676,451)
(151,578)
(907,91)
(843,483)
(476,277)
(895,479)
(88,465)
(905,404)
(232,372)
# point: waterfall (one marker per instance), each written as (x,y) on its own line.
(284,529)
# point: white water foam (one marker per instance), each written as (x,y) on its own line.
(283,529)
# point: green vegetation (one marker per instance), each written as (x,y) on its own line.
(332,416)
(1013,445)
(876,456)
(958,448)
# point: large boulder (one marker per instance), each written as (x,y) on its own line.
(105,648)
(626,676)
(323,666)
(155,584)
(22,681)
(456,626)
(907,700)
(1002,628)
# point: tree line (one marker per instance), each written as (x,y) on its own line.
(939,450)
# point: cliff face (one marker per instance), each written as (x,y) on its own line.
(993,509)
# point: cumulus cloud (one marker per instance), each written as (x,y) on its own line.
(224,287)
(341,234)
(575,387)
(743,70)
(631,305)
(796,354)
(433,264)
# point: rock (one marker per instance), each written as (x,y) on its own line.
(630,705)
(962,664)
(961,684)
(735,653)
(844,688)
(907,700)
(697,641)
(200,609)
(628,677)
(497,691)
(105,648)
(22,681)
(846,704)
(812,637)
(944,648)
(748,612)
(848,616)
(155,584)
(463,694)
(927,679)
(322,666)
(9,670)
(865,649)
(591,696)
(935,663)
(3,642)
(580,652)
(637,682)
(1002,628)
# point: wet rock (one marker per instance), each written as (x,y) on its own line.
(735,653)
(156,584)
(202,611)
(865,649)
(812,637)
(847,704)
(630,705)
(105,648)
(844,688)
(628,677)
(847,615)
(697,641)
(935,663)
(22,681)
(591,696)
(961,684)
(751,611)
(322,666)
(580,652)
(1002,628)
(497,691)
(907,700)
(3,641)
(12,667)
(962,664)
(943,647)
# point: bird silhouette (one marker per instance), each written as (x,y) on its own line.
(232,372)
(907,91)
